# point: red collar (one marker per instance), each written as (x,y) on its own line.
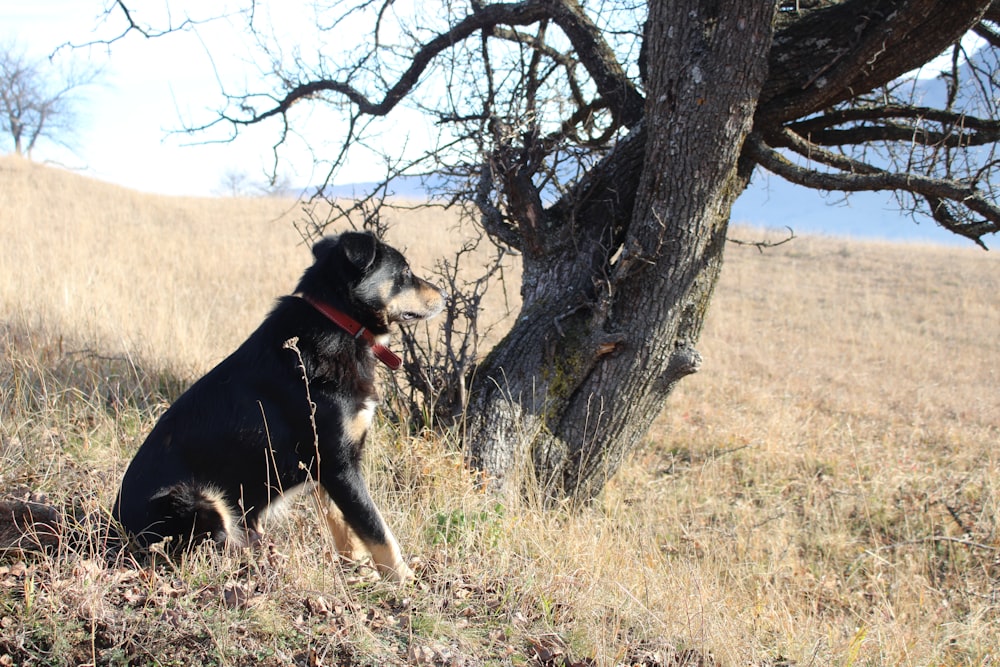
(353,327)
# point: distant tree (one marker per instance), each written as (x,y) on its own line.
(606,140)
(37,99)
(236,182)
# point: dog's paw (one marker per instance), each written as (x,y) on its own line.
(400,572)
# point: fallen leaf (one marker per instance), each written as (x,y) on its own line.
(171,589)
(318,606)
(420,655)
(87,568)
(171,616)
(134,597)
(547,648)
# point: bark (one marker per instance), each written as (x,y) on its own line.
(834,54)
(616,291)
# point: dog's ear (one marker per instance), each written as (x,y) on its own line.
(323,247)
(359,248)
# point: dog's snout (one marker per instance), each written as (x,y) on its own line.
(439,292)
(436,297)
(431,292)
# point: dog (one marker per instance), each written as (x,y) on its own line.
(289,409)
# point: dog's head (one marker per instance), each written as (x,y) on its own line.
(370,280)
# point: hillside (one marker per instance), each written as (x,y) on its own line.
(182,279)
(824,491)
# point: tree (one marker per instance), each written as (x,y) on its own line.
(237,182)
(37,100)
(605,141)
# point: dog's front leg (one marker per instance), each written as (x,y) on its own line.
(389,559)
(348,490)
(349,546)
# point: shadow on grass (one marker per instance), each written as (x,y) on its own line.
(69,416)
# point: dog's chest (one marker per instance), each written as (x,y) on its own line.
(356,423)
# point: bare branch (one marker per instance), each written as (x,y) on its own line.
(973,230)
(523,13)
(859,176)
(493,220)
(624,99)
(762,245)
(620,95)
(145,31)
(988,33)
(586,111)
(132,26)
(957,129)
(811,151)
(511,166)
(437,371)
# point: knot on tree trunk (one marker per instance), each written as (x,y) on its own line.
(684,361)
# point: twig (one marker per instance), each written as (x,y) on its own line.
(293,345)
(938,538)
(760,245)
(955,540)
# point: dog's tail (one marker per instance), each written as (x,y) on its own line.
(194,512)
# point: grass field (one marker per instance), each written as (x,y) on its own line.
(826,491)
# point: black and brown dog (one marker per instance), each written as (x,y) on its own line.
(288,409)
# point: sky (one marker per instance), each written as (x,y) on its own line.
(128,122)
(128,129)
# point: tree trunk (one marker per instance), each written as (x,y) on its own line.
(617,279)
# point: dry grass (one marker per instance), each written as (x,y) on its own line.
(825,491)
